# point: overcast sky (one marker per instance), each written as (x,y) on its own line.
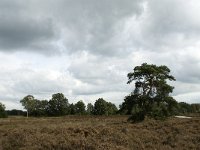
(85,48)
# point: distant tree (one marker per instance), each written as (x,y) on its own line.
(58,105)
(72,109)
(151,94)
(15,112)
(28,103)
(33,110)
(111,109)
(40,108)
(80,108)
(184,108)
(100,107)
(2,111)
(195,108)
(43,107)
(34,107)
(90,109)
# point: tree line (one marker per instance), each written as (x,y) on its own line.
(79,108)
(150,98)
(180,108)
(59,105)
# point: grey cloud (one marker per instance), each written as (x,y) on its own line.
(165,25)
(96,70)
(98,74)
(102,28)
(17,83)
(36,82)
(80,25)
(15,34)
(99,42)
(97,24)
(20,31)
(171,16)
(168,33)
(184,87)
(190,97)
(185,65)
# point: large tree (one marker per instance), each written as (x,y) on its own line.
(34,107)
(80,108)
(111,108)
(40,108)
(58,105)
(151,93)
(102,107)
(28,103)
(90,109)
(72,109)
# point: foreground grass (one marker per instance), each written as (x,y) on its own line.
(89,133)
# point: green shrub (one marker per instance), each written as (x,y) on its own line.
(3,113)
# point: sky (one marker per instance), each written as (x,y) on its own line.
(85,48)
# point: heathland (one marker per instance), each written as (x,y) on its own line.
(98,132)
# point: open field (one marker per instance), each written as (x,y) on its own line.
(91,132)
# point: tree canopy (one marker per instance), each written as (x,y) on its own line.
(90,109)
(102,107)
(151,80)
(28,103)
(150,96)
(58,105)
(80,108)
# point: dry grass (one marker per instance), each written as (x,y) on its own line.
(90,133)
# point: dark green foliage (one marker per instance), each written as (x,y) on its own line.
(58,105)
(195,108)
(129,102)
(72,109)
(172,105)
(137,112)
(151,94)
(15,112)
(90,109)
(80,108)
(2,111)
(40,108)
(159,111)
(28,102)
(136,117)
(101,107)
(111,109)
(35,107)
(184,108)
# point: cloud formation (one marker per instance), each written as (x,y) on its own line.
(86,48)
(21,30)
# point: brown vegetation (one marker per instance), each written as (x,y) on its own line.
(91,132)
